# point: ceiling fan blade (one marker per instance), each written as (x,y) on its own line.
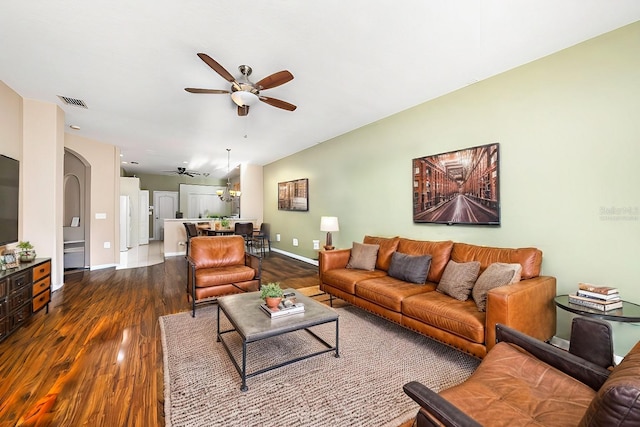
(243,111)
(217,67)
(274,80)
(278,103)
(195,90)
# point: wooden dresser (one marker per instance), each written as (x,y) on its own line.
(23,291)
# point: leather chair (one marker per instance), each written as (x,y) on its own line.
(524,381)
(219,265)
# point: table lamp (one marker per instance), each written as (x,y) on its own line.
(329,224)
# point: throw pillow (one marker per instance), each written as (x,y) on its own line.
(363,256)
(458,279)
(410,268)
(497,274)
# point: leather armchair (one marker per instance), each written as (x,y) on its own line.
(524,381)
(219,265)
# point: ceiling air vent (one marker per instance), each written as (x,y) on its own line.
(73,101)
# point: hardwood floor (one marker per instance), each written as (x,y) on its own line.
(96,358)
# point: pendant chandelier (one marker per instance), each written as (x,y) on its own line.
(228,195)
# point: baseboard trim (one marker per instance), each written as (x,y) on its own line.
(170,254)
(103,266)
(296,256)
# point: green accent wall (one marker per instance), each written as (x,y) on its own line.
(568,127)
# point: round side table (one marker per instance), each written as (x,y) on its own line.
(629,312)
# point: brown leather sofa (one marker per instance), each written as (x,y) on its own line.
(526,306)
(526,382)
(219,265)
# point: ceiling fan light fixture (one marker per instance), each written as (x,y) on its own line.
(242,98)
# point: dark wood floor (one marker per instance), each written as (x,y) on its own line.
(97,356)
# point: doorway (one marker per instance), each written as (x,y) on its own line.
(165,205)
(77,205)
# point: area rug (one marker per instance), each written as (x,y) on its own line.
(362,387)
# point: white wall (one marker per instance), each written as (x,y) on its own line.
(42,172)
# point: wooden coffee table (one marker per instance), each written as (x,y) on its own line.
(252,324)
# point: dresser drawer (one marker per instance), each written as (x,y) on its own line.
(4,327)
(3,308)
(41,285)
(20,316)
(41,300)
(18,280)
(17,298)
(41,271)
(3,288)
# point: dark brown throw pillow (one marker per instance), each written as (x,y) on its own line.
(458,279)
(363,256)
(497,274)
(410,268)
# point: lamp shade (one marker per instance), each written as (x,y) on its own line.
(329,223)
(242,98)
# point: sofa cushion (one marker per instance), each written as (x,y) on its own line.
(440,253)
(529,258)
(458,279)
(617,403)
(520,390)
(412,268)
(363,256)
(345,279)
(388,292)
(388,246)
(497,274)
(460,318)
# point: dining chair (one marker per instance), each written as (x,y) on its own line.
(262,238)
(245,229)
(192,231)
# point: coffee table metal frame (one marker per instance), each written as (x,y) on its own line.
(252,324)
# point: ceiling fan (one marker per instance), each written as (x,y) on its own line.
(184,171)
(245,93)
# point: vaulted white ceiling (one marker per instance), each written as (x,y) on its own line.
(354,62)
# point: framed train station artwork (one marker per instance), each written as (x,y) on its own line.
(458,187)
(293,195)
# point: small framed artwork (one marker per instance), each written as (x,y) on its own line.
(458,187)
(293,195)
(10,260)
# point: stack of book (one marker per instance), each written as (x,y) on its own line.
(283,310)
(603,298)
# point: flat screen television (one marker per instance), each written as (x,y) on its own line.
(9,198)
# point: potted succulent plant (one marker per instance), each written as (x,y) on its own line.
(27,252)
(272,294)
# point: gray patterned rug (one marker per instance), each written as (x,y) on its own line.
(362,387)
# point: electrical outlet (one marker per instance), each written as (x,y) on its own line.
(277,237)
(295,242)
(316,244)
(107,245)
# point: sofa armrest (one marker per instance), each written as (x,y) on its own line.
(330,260)
(526,306)
(254,262)
(583,370)
(438,407)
